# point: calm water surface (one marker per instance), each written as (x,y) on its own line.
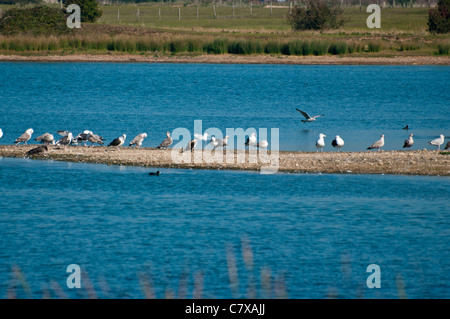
(287,235)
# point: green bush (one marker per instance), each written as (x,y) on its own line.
(90,10)
(439,17)
(317,15)
(444,49)
(337,48)
(34,21)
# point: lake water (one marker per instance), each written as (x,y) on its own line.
(187,232)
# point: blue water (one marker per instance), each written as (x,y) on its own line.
(314,234)
(359,102)
(187,232)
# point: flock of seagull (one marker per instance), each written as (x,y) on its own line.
(67,138)
(338,142)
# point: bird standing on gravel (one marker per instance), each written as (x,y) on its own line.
(337,142)
(378,144)
(320,142)
(138,140)
(438,142)
(46,138)
(24,137)
(167,141)
(118,142)
(409,142)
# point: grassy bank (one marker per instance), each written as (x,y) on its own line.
(159,29)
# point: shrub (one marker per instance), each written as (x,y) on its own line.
(90,10)
(336,48)
(439,18)
(35,20)
(444,49)
(317,15)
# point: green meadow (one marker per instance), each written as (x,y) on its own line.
(190,29)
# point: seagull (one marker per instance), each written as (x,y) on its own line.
(118,141)
(203,137)
(438,142)
(138,140)
(378,144)
(66,139)
(24,137)
(191,145)
(82,137)
(1,133)
(320,142)
(409,142)
(337,142)
(406,127)
(46,138)
(38,150)
(251,140)
(447,146)
(307,117)
(218,142)
(93,138)
(262,144)
(167,142)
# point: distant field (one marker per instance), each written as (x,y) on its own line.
(392,19)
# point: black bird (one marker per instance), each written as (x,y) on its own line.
(406,127)
(155,173)
(447,146)
(38,150)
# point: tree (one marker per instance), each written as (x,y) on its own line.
(317,15)
(90,10)
(439,17)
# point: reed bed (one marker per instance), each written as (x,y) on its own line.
(209,44)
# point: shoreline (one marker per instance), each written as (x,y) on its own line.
(420,162)
(232,59)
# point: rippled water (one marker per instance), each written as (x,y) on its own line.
(314,234)
(359,102)
(187,232)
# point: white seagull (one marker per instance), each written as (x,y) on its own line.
(308,117)
(320,142)
(167,142)
(337,142)
(203,137)
(218,142)
(24,137)
(82,137)
(118,141)
(138,140)
(1,133)
(438,142)
(262,144)
(378,144)
(93,138)
(409,142)
(251,140)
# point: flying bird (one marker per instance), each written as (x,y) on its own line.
(138,140)
(24,137)
(409,142)
(308,117)
(337,142)
(251,140)
(118,142)
(378,144)
(37,150)
(320,143)
(438,142)
(1,133)
(46,138)
(167,141)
